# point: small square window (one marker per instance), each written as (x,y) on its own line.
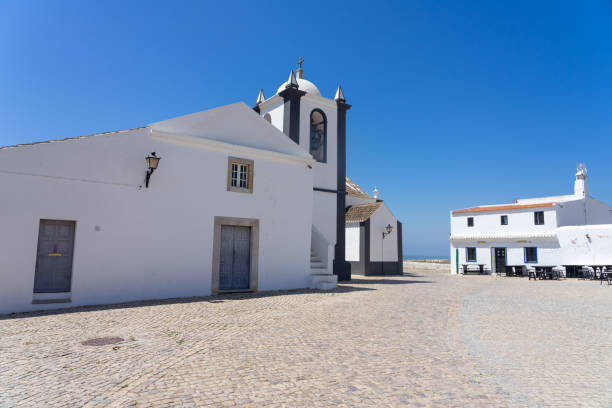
(240,175)
(470,221)
(538,217)
(470,254)
(531,255)
(504,220)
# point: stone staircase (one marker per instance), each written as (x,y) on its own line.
(321,277)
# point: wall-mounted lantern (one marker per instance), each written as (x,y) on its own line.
(388,228)
(152,163)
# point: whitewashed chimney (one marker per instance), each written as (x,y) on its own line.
(375,193)
(581,189)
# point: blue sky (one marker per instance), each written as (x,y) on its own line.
(454,103)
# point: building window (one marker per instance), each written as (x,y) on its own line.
(504,220)
(318,136)
(470,254)
(538,217)
(531,255)
(268,118)
(240,175)
(470,221)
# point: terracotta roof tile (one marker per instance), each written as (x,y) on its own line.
(502,208)
(361,212)
(353,189)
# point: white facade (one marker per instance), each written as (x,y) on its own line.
(325,173)
(371,249)
(135,243)
(486,230)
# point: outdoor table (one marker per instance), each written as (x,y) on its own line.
(466,269)
(544,271)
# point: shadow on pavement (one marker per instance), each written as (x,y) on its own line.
(221,298)
(386,281)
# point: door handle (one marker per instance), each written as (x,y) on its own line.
(55,253)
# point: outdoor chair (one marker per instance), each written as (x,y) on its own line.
(518,270)
(587,273)
(532,274)
(558,273)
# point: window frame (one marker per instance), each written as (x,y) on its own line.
(467,254)
(324,142)
(470,225)
(525,254)
(250,174)
(535,218)
(503,218)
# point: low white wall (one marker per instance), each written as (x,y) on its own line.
(410,266)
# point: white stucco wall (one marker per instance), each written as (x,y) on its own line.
(277,112)
(325,173)
(324,214)
(354,200)
(571,213)
(598,212)
(383,250)
(134,243)
(586,245)
(548,252)
(489,223)
(520,231)
(352,242)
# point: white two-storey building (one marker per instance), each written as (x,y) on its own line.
(546,231)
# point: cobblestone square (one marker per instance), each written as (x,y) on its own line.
(424,339)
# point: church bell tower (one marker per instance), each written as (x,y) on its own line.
(318,125)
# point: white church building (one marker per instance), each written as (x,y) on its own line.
(567,231)
(373,234)
(230,199)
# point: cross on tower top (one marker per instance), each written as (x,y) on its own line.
(300,71)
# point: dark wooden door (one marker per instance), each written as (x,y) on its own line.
(500,260)
(235,259)
(54,256)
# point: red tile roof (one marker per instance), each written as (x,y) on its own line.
(502,208)
(353,189)
(361,212)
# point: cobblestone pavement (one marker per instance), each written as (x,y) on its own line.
(419,340)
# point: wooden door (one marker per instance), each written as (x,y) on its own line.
(500,260)
(54,256)
(235,259)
